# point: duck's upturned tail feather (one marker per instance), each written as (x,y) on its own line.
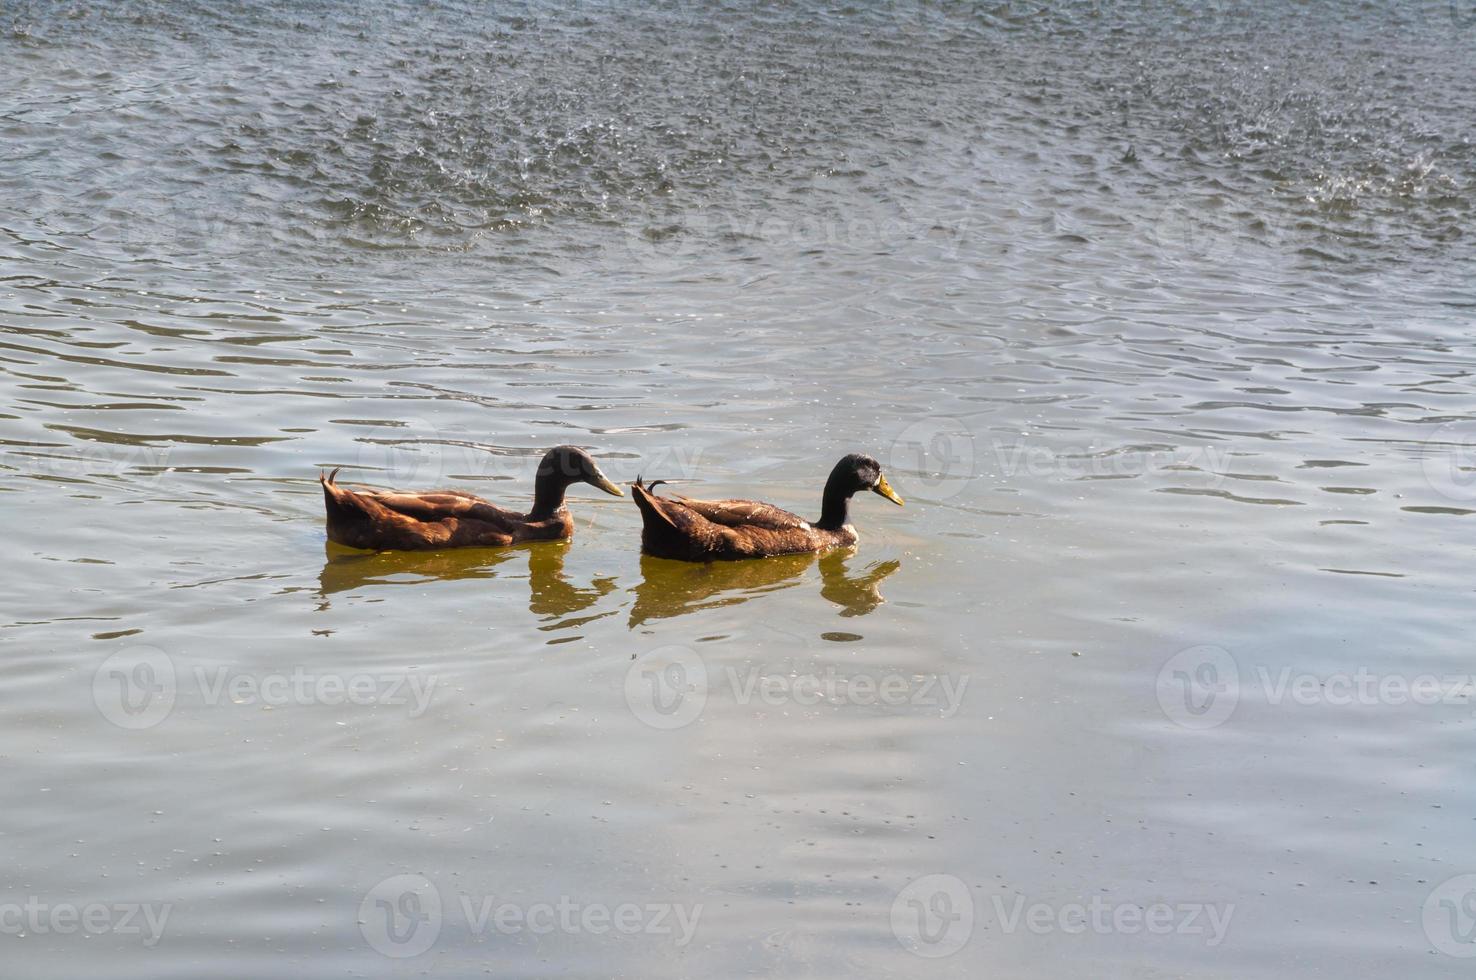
(347,509)
(650,504)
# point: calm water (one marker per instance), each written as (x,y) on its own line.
(1159,316)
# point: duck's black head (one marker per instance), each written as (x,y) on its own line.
(560,468)
(857,472)
(851,475)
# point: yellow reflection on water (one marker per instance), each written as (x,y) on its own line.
(674,588)
(667,588)
(550,593)
(856,595)
(349,568)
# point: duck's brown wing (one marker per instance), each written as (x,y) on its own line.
(744,513)
(387,520)
(682,529)
(437,505)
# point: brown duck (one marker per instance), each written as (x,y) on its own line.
(725,530)
(420,521)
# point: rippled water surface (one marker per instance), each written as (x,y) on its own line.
(1159,316)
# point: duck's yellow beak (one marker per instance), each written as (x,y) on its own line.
(605,485)
(885,489)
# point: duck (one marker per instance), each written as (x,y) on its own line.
(390,520)
(729,530)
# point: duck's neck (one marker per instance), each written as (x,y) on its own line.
(548,495)
(834,504)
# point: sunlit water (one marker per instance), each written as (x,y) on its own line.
(1159,316)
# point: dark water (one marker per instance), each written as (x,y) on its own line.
(1159,316)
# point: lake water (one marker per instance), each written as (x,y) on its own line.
(1159,315)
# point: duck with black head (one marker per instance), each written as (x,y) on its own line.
(385,520)
(725,530)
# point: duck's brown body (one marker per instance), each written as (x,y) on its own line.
(413,521)
(727,530)
(388,520)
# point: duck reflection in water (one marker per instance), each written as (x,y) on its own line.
(348,568)
(673,588)
(550,593)
(856,595)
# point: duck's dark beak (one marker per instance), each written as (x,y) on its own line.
(885,489)
(598,480)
